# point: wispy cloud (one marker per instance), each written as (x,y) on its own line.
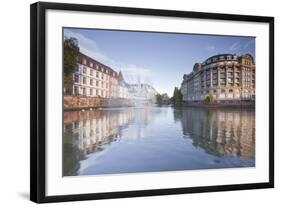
(235,46)
(210,48)
(87,46)
(250,42)
(132,73)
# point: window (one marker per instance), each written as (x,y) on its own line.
(84,91)
(91,91)
(91,81)
(102,76)
(91,72)
(231,91)
(97,74)
(84,80)
(76,78)
(84,70)
(97,83)
(91,64)
(76,90)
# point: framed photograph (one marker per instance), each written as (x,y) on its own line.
(129,102)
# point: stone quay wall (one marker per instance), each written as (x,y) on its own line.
(80,102)
(226,103)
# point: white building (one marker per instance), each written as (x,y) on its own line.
(94,79)
(142,92)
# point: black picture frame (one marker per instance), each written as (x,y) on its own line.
(38,101)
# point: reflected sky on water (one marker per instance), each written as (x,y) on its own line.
(129,140)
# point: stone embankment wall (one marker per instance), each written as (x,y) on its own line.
(78,102)
(227,103)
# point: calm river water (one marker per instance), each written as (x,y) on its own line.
(128,140)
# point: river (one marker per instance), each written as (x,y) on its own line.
(153,139)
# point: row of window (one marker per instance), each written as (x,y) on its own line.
(92,72)
(90,92)
(215,59)
(92,82)
(98,67)
(215,91)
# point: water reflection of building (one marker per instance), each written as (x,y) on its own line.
(221,132)
(94,128)
(90,131)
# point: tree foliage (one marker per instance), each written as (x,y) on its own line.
(209,99)
(162,99)
(70,61)
(158,99)
(177,97)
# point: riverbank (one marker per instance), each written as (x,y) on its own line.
(80,102)
(72,103)
(226,104)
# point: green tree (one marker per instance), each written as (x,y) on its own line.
(177,97)
(209,98)
(70,61)
(158,99)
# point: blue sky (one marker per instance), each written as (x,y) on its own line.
(160,59)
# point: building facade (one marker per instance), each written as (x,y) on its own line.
(94,79)
(225,77)
(142,92)
(123,87)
